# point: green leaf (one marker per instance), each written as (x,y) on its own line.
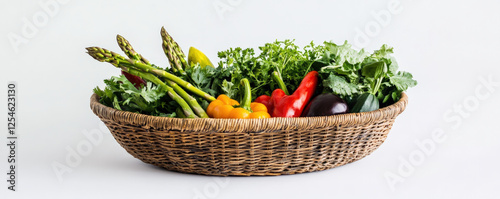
(150,93)
(403,80)
(385,51)
(99,92)
(384,54)
(374,70)
(396,95)
(386,98)
(116,104)
(198,76)
(344,53)
(229,89)
(340,86)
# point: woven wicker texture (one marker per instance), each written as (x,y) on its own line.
(245,147)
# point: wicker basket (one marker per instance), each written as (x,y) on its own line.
(245,147)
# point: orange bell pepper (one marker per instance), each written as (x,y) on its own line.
(223,106)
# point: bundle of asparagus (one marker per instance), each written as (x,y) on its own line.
(174,86)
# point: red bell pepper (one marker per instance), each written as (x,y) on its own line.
(266,100)
(281,105)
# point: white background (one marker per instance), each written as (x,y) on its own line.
(447,45)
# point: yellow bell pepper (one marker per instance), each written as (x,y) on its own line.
(223,106)
(196,56)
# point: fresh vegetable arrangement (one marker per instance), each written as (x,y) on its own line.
(282,80)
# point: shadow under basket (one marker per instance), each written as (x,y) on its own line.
(247,147)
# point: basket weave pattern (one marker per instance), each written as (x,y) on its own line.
(245,147)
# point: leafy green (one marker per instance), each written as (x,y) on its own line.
(229,89)
(340,86)
(384,54)
(121,94)
(201,77)
(403,80)
(374,70)
(339,54)
(350,73)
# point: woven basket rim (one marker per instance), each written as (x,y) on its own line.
(245,125)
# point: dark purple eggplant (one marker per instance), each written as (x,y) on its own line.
(324,105)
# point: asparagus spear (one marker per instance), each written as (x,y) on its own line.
(188,112)
(132,54)
(189,99)
(129,51)
(103,55)
(179,113)
(174,53)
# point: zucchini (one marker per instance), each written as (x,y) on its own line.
(365,103)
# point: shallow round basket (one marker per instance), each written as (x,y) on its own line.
(245,147)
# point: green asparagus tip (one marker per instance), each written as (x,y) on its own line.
(163,32)
(94,53)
